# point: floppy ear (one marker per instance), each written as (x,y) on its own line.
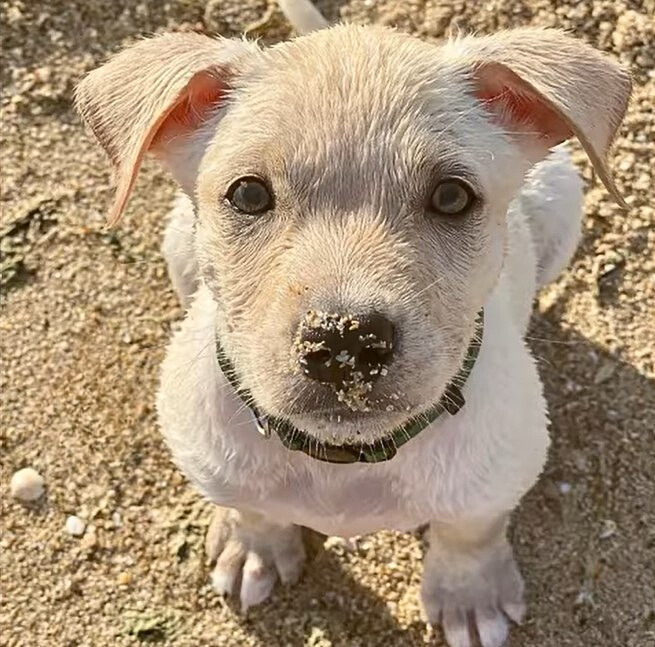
(544,87)
(151,93)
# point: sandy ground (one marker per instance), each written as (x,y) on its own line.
(86,315)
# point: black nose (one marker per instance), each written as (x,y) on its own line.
(333,348)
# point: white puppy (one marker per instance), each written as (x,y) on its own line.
(367,220)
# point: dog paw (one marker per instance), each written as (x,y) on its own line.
(251,554)
(473,599)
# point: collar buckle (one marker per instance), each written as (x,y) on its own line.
(262,424)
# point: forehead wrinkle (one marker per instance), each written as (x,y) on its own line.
(366,121)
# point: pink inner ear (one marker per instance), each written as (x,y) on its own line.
(517,106)
(201,94)
(186,113)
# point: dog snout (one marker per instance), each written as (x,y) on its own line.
(335,348)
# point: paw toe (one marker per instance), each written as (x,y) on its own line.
(492,627)
(258,581)
(223,582)
(228,568)
(515,611)
(251,554)
(456,628)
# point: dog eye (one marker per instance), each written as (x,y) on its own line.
(250,195)
(452,197)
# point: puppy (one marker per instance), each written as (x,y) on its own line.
(365,220)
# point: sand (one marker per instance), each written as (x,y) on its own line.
(86,315)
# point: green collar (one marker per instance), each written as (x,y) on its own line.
(451,401)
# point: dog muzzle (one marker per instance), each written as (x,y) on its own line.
(382,449)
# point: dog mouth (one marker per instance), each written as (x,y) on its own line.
(346,416)
(341,424)
(330,407)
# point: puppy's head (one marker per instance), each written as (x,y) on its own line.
(351,188)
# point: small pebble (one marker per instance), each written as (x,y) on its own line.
(348,544)
(608,530)
(564,487)
(43,74)
(27,485)
(124,578)
(75,526)
(90,539)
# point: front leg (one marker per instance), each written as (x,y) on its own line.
(471,581)
(251,553)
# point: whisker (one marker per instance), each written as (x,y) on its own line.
(559,341)
(416,295)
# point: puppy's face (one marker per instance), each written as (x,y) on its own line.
(351,194)
(383,192)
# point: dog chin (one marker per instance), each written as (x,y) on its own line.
(344,427)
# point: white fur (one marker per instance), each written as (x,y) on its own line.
(478,463)
(177,248)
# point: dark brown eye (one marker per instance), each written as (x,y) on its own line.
(250,195)
(452,197)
